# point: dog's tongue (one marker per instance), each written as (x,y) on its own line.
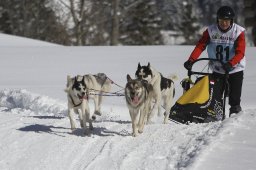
(81,97)
(135,100)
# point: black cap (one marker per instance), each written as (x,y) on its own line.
(225,12)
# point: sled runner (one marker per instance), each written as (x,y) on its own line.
(203,102)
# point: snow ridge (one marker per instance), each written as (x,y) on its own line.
(22,101)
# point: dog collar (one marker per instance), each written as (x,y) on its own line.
(75,105)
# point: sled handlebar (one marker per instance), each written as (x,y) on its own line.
(190,72)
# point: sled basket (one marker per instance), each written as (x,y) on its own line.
(204,102)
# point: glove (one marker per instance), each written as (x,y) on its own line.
(227,67)
(188,64)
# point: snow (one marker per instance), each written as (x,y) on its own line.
(16,41)
(35,131)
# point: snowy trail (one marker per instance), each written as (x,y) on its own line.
(43,138)
(35,131)
(235,144)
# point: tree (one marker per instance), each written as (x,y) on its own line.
(189,24)
(5,25)
(141,24)
(115,22)
(250,18)
(33,19)
(182,18)
(90,21)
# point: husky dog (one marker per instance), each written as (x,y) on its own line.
(138,95)
(162,88)
(79,90)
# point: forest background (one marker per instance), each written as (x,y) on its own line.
(120,22)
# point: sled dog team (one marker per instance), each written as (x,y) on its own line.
(144,96)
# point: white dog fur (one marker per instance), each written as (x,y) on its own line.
(138,95)
(163,88)
(79,90)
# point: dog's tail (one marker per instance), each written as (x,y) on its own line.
(173,77)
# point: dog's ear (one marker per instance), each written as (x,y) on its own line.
(68,80)
(128,78)
(79,78)
(148,64)
(76,79)
(66,89)
(139,66)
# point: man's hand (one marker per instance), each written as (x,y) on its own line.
(227,67)
(188,64)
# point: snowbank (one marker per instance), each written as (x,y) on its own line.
(12,41)
(22,101)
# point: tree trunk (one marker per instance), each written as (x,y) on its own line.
(115,22)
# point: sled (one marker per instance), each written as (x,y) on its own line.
(204,101)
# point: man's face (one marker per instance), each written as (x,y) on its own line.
(224,23)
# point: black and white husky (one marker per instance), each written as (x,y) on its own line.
(163,88)
(138,95)
(79,90)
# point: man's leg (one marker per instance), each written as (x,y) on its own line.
(235,86)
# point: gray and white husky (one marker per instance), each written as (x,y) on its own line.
(138,95)
(79,90)
(163,88)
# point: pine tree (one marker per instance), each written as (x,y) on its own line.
(142,24)
(33,19)
(189,24)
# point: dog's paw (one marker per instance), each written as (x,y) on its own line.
(140,131)
(97,113)
(159,114)
(166,119)
(148,122)
(93,117)
(134,134)
(73,130)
